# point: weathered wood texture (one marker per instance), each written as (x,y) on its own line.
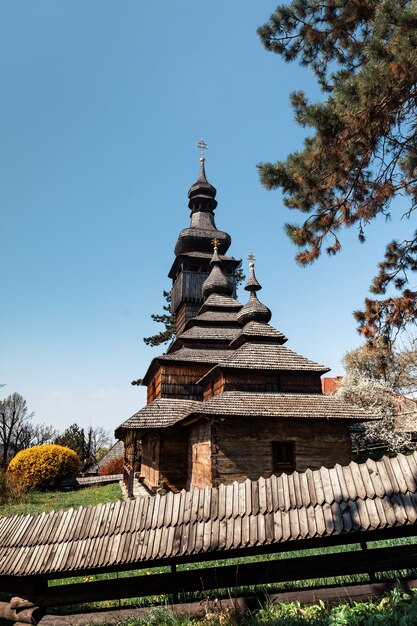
(214,387)
(188,288)
(173,458)
(257,381)
(295,382)
(225,576)
(177,381)
(200,455)
(154,386)
(150,466)
(289,512)
(242,448)
(25,615)
(186,311)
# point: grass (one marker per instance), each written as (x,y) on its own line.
(395,609)
(45,501)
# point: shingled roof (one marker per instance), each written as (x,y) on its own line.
(265,356)
(260,331)
(270,356)
(219,301)
(310,505)
(226,316)
(195,355)
(209,333)
(160,413)
(280,405)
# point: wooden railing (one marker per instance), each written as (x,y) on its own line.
(128,478)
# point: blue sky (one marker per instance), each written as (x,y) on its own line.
(103,103)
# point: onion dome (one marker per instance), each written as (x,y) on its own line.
(202,230)
(202,194)
(253,310)
(216,281)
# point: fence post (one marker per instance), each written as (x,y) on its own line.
(371,573)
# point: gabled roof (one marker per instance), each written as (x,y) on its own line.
(310,505)
(160,413)
(280,405)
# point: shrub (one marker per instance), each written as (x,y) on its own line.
(115,466)
(12,490)
(44,467)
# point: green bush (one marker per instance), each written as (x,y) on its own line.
(44,467)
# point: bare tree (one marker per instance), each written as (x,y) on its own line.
(34,435)
(14,418)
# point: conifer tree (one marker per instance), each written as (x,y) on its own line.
(362,152)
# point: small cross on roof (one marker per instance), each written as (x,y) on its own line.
(202,146)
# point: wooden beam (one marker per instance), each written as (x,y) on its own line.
(280,570)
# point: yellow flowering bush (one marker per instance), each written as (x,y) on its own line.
(44,467)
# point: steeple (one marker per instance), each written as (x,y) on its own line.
(194,250)
(253,310)
(202,228)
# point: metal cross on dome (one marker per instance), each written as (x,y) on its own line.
(202,146)
(215,244)
(251,259)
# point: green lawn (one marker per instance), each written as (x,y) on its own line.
(40,501)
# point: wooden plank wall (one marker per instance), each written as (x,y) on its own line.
(186,311)
(214,387)
(178,381)
(250,454)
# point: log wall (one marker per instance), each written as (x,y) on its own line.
(150,460)
(242,448)
(174,456)
(199,455)
(296,382)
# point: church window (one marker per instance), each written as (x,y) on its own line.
(283,456)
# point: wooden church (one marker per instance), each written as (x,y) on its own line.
(228,401)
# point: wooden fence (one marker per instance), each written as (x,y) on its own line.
(306,526)
(319,559)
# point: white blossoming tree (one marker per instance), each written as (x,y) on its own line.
(375,396)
